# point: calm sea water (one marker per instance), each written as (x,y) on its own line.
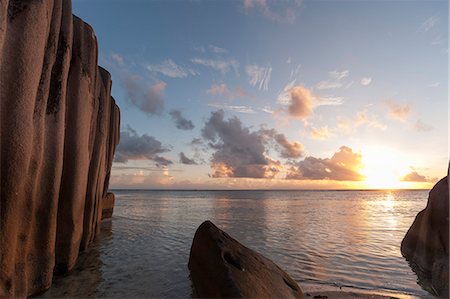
(323,239)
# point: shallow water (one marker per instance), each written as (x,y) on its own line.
(323,239)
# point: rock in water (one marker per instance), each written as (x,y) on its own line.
(426,243)
(108,205)
(59,127)
(221,267)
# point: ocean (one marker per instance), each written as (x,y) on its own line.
(325,240)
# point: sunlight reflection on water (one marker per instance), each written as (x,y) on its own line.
(323,239)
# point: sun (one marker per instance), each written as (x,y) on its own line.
(384,168)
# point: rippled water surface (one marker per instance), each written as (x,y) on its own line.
(323,239)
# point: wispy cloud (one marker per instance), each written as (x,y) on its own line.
(236,108)
(216,49)
(428,24)
(335,80)
(281,12)
(398,111)
(259,76)
(223,66)
(434,85)
(362,118)
(117,58)
(366,81)
(339,75)
(319,133)
(217,89)
(420,126)
(222,89)
(327,101)
(170,69)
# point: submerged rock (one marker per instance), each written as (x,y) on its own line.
(59,127)
(221,267)
(426,243)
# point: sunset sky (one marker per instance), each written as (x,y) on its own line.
(276,94)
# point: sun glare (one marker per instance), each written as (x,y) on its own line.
(383,168)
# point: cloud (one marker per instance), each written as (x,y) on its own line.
(217,89)
(413,176)
(420,126)
(283,13)
(258,75)
(349,126)
(222,89)
(344,165)
(223,66)
(428,24)
(339,75)
(366,81)
(398,111)
(149,99)
(328,101)
(186,160)
(170,69)
(238,151)
(301,104)
(181,122)
(139,147)
(216,49)
(434,85)
(334,81)
(236,108)
(288,150)
(319,133)
(117,58)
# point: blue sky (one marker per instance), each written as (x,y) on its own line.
(276,94)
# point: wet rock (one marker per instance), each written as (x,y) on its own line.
(108,205)
(221,267)
(426,243)
(59,127)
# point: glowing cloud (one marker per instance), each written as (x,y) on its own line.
(345,165)
(398,111)
(301,104)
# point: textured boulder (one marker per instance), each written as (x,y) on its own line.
(426,243)
(221,267)
(108,205)
(59,127)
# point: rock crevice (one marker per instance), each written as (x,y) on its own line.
(59,128)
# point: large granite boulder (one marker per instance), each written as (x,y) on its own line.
(59,127)
(426,243)
(221,267)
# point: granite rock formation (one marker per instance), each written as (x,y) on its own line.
(426,243)
(221,267)
(108,205)
(59,127)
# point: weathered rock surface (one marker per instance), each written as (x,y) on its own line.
(221,267)
(426,243)
(59,129)
(108,205)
